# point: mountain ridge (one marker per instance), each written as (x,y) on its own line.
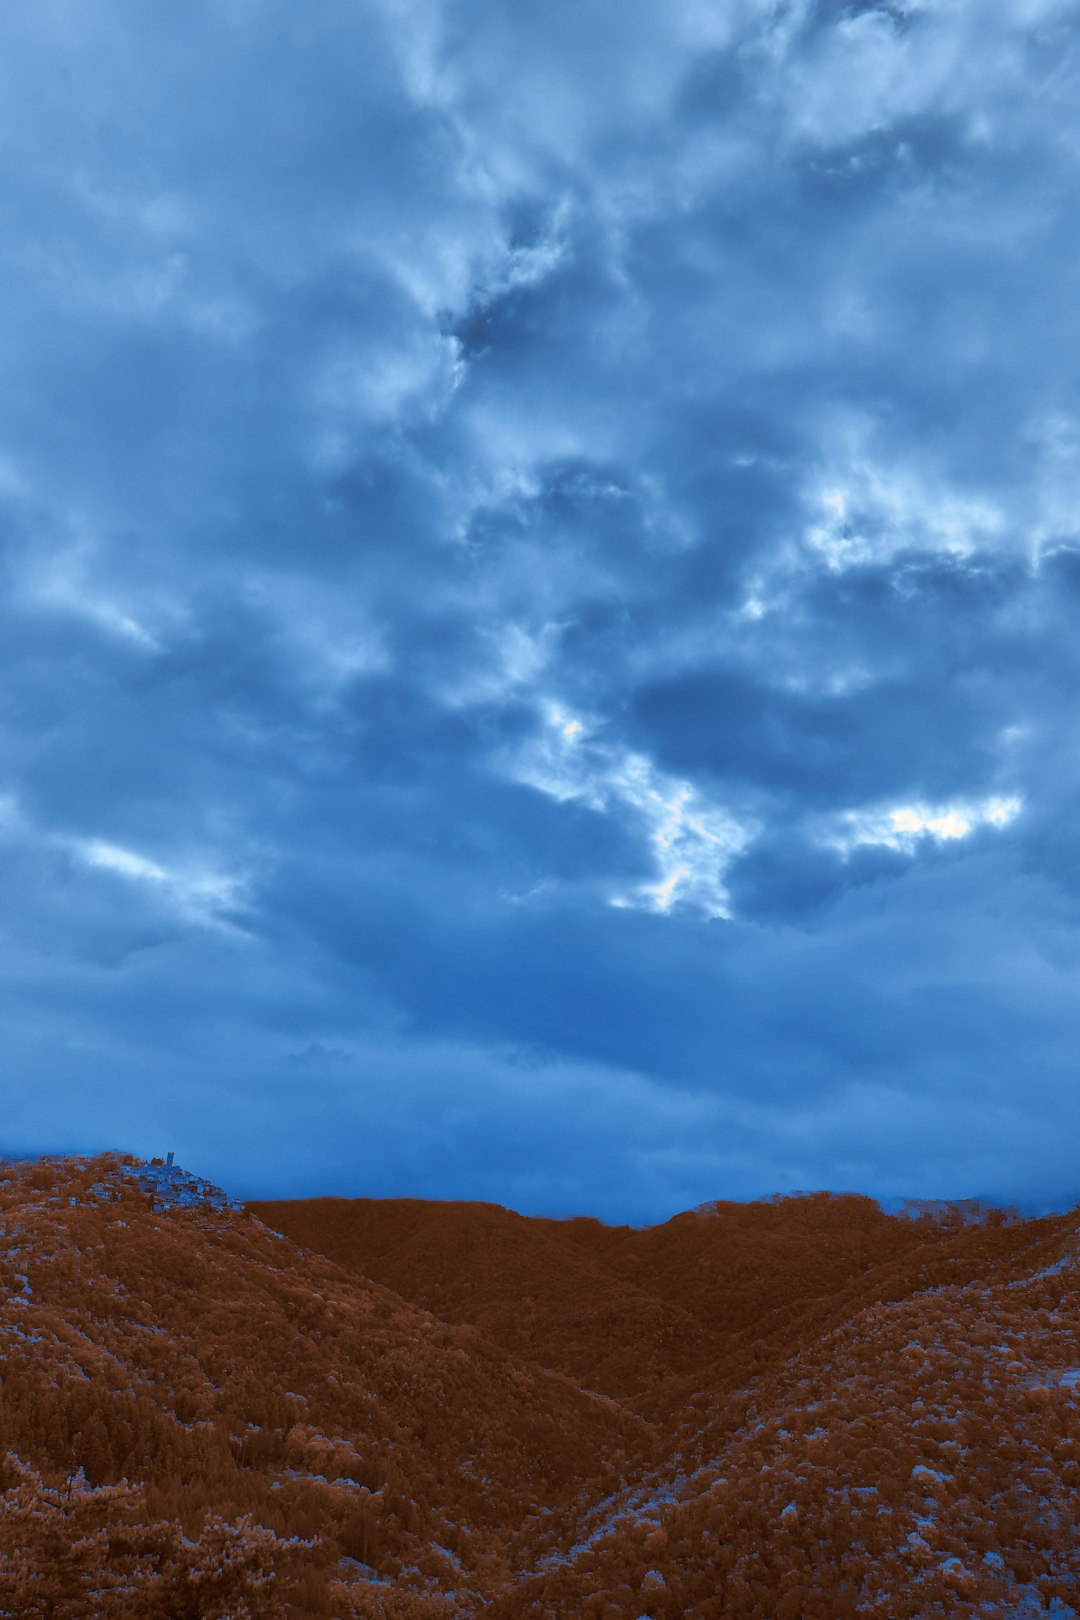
(794,1410)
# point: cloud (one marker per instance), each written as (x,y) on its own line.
(562,601)
(904,826)
(691,842)
(201,896)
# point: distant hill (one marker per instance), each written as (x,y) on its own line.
(798,1409)
(630,1313)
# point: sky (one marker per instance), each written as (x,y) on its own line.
(541,567)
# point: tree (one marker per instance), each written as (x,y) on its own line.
(71,1551)
(74,1551)
(232,1572)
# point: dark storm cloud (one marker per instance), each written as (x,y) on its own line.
(539,573)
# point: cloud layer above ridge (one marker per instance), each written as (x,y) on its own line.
(541,562)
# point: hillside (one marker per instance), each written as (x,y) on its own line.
(797,1408)
(195,1352)
(631,1313)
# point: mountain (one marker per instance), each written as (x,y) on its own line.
(630,1313)
(192,1351)
(790,1410)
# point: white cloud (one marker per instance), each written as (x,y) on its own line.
(64,580)
(692,842)
(198,893)
(869,509)
(115,859)
(903,826)
(199,889)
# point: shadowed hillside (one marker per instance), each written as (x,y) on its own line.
(630,1313)
(195,1352)
(797,1408)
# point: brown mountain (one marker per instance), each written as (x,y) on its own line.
(796,1408)
(633,1314)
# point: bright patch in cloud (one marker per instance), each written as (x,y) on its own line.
(902,826)
(124,861)
(692,843)
(570,728)
(201,896)
(878,508)
(75,579)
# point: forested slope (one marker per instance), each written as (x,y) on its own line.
(862,1413)
(195,1353)
(794,1410)
(632,1313)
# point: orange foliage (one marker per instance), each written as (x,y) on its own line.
(789,1410)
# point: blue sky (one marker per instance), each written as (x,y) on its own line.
(541,566)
